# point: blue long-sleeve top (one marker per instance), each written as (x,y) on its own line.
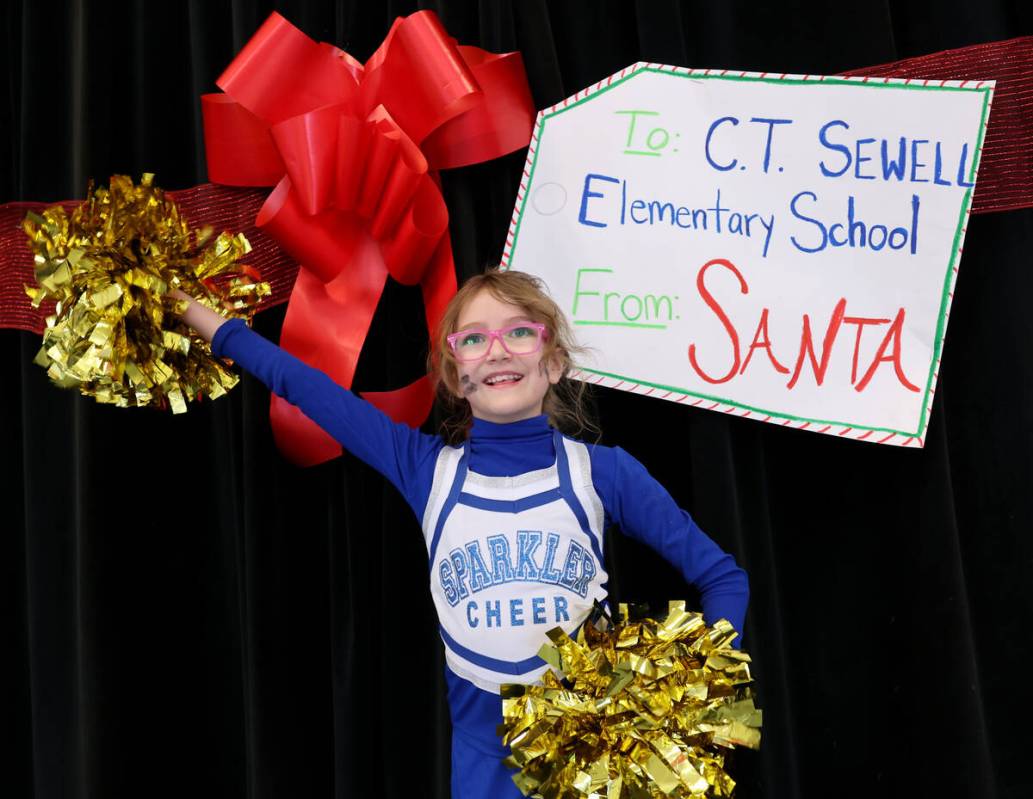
(631,498)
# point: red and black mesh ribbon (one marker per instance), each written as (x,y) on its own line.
(1006,164)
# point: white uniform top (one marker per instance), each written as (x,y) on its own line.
(511,558)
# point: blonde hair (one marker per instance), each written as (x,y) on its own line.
(564,403)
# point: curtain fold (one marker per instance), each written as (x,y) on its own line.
(186,612)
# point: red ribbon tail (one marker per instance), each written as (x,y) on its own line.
(301,440)
(409,405)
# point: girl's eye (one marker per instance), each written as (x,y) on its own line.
(471,340)
(523,332)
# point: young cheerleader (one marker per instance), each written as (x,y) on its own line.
(513,512)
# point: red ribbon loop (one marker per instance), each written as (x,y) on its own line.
(352,150)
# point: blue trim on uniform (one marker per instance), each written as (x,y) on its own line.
(510,505)
(567,490)
(502,666)
(450,503)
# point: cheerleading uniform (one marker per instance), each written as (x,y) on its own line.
(513,521)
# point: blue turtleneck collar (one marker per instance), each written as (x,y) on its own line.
(535,426)
(504,450)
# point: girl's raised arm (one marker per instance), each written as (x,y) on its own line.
(395,450)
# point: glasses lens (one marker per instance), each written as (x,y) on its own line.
(471,345)
(522,339)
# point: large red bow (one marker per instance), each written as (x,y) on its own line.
(352,151)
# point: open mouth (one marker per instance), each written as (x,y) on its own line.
(502,379)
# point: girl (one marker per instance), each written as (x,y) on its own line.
(513,512)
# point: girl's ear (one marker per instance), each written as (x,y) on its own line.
(555,366)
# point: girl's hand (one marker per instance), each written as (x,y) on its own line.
(204,320)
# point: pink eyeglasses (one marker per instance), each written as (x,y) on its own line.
(472,344)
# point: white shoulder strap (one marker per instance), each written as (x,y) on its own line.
(580,464)
(444,476)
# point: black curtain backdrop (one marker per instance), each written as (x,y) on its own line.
(185,613)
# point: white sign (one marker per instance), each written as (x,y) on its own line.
(779,248)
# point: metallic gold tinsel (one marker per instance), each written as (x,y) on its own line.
(647,709)
(116,333)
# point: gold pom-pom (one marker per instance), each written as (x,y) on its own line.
(645,708)
(110,266)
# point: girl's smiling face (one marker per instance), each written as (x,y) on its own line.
(502,387)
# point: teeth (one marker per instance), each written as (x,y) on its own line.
(502,379)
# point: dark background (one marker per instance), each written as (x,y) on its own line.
(185,613)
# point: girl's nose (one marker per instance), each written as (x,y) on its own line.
(496,350)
